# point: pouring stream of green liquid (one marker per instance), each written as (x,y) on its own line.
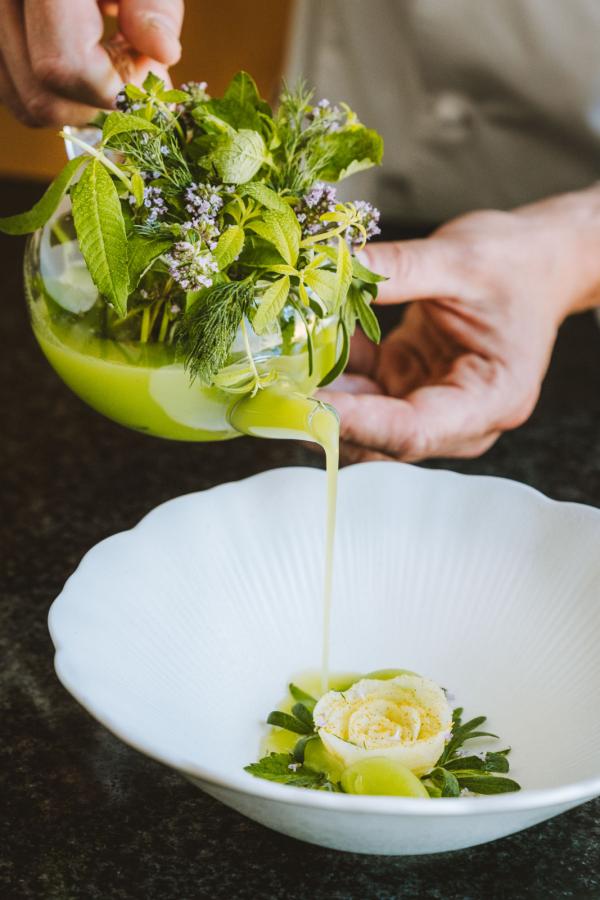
(271,414)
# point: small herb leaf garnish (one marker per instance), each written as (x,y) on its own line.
(300,711)
(284,769)
(478,783)
(290,723)
(301,696)
(101,232)
(38,215)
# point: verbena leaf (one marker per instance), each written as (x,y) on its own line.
(365,274)
(488,784)
(38,215)
(282,230)
(101,233)
(271,304)
(347,151)
(366,316)
(229,246)
(325,286)
(209,328)
(343,272)
(276,767)
(142,251)
(302,697)
(290,723)
(342,360)
(118,123)
(239,155)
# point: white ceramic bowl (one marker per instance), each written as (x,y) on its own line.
(181,634)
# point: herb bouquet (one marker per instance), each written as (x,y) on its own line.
(200,220)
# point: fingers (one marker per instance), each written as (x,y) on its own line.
(25,94)
(449,418)
(363,354)
(416,270)
(354,384)
(153,27)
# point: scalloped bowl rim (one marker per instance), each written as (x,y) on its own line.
(571,793)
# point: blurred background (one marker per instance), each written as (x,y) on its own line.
(255,38)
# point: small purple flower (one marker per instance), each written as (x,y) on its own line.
(191,265)
(368,217)
(329,116)
(202,201)
(319,200)
(154,203)
(197,90)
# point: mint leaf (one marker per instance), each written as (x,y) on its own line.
(230,111)
(271,304)
(229,246)
(142,251)
(265,196)
(290,723)
(38,215)
(242,89)
(276,767)
(209,328)
(239,155)
(347,151)
(119,123)
(282,230)
(101,233)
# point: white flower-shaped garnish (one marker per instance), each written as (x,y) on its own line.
(406,718)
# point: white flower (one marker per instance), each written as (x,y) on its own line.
(406,718)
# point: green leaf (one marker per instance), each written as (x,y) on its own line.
(276,767)
(488,784)
(309,340)
(174,96)
(300,711)
(271,304)
(300,746)
(343,272)
(446,782)
(242,88)
(280,229)
(302,697)
(229,246)
(153,84)
(364,274)
(347,151)
(230,111)
(209,328)
(290,723)
(142,251)
(491,762)
(137,188)
(239,155)
(342,360)
(118,122)
(101,233)
(38,215)
(366,316)
(325,286)
(265,196)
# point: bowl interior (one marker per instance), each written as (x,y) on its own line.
(182,633)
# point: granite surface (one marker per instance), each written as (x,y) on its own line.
(82,815)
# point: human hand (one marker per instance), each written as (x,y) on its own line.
(54,69)
(468,360)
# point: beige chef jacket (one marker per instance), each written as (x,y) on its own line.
(481,103)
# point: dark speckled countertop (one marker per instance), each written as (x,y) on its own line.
(82,815)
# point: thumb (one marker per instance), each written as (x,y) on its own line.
(153,27)
(416,270)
